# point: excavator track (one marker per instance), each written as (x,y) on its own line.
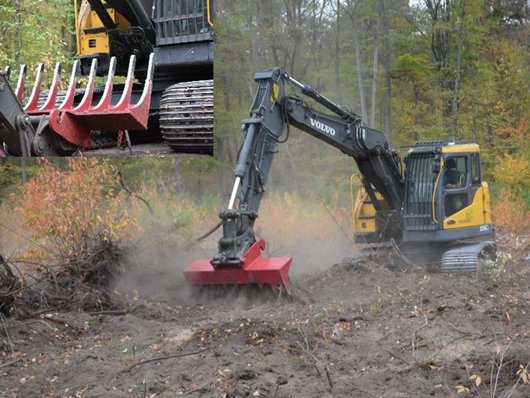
(186,117)
(469,257)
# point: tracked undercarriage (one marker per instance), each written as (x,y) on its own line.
(434,257)
(186,117)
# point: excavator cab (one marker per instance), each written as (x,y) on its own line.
(445,197)
(444,201)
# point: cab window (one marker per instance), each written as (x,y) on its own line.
(455,174)
(475,169)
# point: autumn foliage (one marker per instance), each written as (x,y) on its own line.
(510,213)
(71,211)
(511,210)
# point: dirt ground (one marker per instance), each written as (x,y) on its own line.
(355,329)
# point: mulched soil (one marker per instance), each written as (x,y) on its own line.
(356,329)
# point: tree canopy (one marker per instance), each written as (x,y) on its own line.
(417,70)
(36,31)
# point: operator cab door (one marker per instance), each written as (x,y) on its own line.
(420,182)
(455,180)
(460,181)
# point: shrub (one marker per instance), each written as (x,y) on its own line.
(72,212)
(510,212)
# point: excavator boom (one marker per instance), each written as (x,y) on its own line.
(239,260)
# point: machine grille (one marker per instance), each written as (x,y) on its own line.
(419,186)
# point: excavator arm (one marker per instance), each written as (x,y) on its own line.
(15,129)
(272,112)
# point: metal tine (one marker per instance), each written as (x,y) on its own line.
(148,80)
(68,101)
(104,103)
(19,91)
(35,92)
(86,102)
(125,99)
(54,89)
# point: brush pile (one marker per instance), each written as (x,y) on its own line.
(83,284)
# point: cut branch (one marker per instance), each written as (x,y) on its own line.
(161,359)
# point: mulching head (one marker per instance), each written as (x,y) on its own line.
(254,269)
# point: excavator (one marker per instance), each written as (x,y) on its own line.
(129,38)
(434,198)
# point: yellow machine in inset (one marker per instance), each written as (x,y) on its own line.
(91,33)
(180,34)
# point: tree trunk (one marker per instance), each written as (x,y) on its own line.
(358,66)
(440,13)
(18,47)
(337,49)
(375,66)
(458,73)
(387,64)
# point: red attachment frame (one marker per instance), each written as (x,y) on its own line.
(75,122)
(256,269)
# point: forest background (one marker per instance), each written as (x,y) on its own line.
(417,70)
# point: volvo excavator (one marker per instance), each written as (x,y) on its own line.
(434,197)
(163,49)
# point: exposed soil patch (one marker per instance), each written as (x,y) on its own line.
(358,329)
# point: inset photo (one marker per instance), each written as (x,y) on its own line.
(107,78)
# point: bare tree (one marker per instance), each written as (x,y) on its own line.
(387,64)
(440,12)
(375,64)
(351,7)
(458,70)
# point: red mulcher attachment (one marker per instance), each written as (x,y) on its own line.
(74,122)
(255,269)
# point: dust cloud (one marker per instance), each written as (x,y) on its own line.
(155,270)
(311,253)
(304,231)
(315,241)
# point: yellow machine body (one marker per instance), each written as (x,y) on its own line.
(90,32)
(444,197)
(477,213)
(366,228)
